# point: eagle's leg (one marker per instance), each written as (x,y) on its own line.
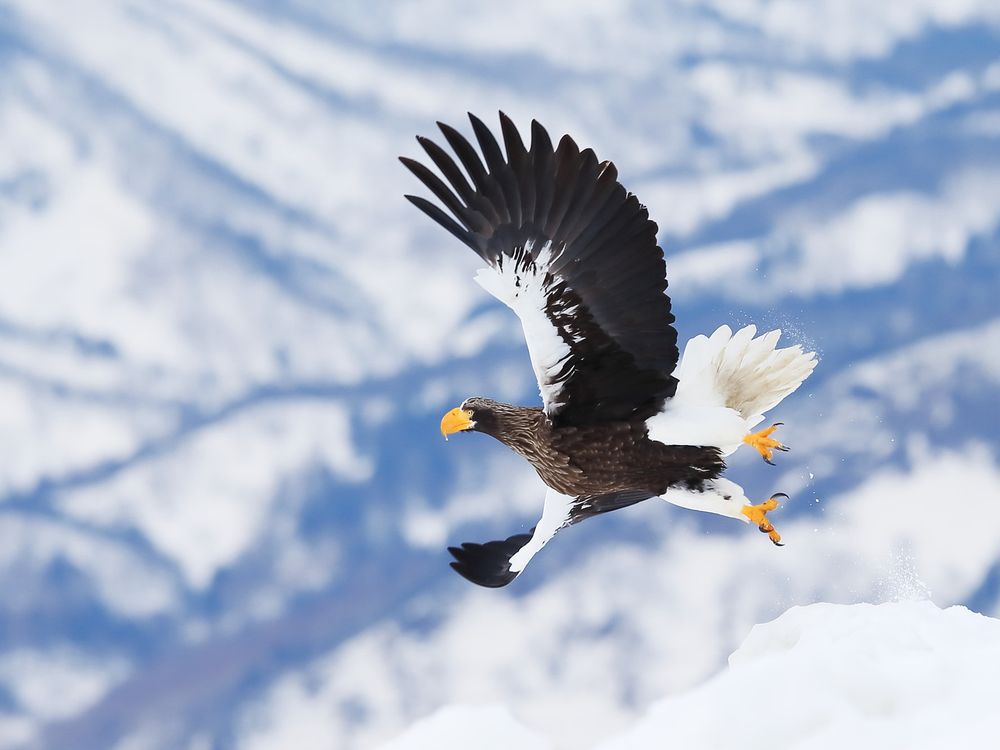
(758,515)
(726,498)
(764,443)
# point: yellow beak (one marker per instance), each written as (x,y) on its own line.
(455,421)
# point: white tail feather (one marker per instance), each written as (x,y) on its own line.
(726,382)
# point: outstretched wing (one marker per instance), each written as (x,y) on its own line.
(574,255)
(495,564)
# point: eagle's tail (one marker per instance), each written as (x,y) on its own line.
(747,374)
(726,382)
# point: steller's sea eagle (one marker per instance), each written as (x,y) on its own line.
(575,257)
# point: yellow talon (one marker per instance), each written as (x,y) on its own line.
(758,515)
(764,443)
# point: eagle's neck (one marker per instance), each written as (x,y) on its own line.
(514,426)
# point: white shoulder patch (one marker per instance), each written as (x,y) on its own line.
(523,289)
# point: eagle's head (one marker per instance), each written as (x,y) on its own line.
(476,413)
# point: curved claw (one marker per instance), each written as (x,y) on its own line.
(758,514)
(764,444)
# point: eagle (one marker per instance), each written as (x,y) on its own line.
(623,418)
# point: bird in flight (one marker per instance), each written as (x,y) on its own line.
(623,417)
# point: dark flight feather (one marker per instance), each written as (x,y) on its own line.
(606,266)
(488,564)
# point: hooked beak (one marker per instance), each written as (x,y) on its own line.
(455,421)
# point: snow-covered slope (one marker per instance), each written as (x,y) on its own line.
(226,342)
(903,675)
(823,676)
(484,727)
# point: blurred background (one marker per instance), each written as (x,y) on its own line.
(226,342)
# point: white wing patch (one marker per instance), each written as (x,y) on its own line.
(522,287)
(555,515)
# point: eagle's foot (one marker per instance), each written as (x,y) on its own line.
(764,443)
(758,515)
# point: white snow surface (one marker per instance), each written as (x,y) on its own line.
(482,727)
(899,675)
(896,675)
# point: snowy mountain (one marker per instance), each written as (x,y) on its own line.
(226,342)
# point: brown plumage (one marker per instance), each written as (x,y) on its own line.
(593,460)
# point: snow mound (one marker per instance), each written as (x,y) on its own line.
(899,675)
(482,727)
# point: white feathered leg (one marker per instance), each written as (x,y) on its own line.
(718,496)
(726,498)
